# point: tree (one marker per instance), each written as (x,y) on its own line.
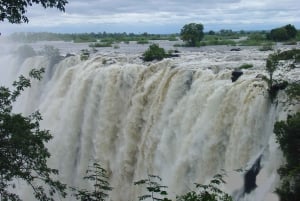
(98,175)
(288,137)
(279,34)
(154,52)
(14,11)
(291,30)
(192,34)
(271,66)
(283,33)
(23,154)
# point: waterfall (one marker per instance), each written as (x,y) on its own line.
(175,118)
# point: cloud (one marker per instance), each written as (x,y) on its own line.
(212,13)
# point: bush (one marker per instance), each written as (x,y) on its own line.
(84,55)
(142,41)
(154,52)
(99,177)
(283,33)
(246,66)
(102,44)
(290,54)
(266,47)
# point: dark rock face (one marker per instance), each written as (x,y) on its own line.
(235,75)
(279,86)
(250,176)
(235,49)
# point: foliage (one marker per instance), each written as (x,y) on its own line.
(291,42)
(209,192)
(155,189)
(288,136)
(89,37)
(293,91)
(154,52)
(192,34)
(271,66)
(14,11)
(266,47)
(246,66)
(290,54)
(98,176)
(102,44)
(274,85)
(217,41)
(291,30)
(84,54)
(255,42)
(283,33)
(142,41)
(23,154)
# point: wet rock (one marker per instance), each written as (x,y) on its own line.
(235,49)
(235,75)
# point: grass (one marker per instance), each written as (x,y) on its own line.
(101,44)
(246,66)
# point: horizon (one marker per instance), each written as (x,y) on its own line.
(217,30)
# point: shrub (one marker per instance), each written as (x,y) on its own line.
(99,177)
(101,44)
(266,47)
(210,192)
(84,55)
(155,189)
(283,33)
(154,52)
(290,54)
(246,66)
(142,41)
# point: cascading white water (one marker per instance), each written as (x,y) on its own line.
(172,118)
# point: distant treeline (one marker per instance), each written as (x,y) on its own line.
(89,37)
(288,34)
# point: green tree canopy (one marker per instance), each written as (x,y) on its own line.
(283,33)
(23,154)
(288,137)
(192,34)
(14,10)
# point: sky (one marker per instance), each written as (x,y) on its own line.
(159,16)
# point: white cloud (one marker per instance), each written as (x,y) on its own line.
(217,13)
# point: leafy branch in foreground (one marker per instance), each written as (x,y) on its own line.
(14,11)
(209,192)
(23,155)
(155,189)
(99,177)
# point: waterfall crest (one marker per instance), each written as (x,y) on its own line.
(182,123)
